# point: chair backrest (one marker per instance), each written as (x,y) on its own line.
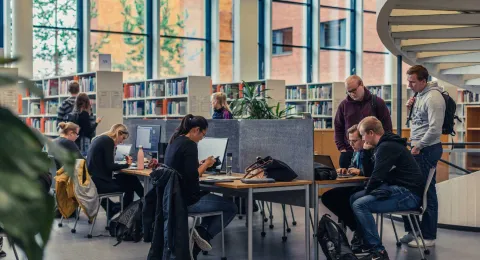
(425,191)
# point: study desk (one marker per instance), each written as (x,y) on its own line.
(240,187)
(339,182)
(145,173)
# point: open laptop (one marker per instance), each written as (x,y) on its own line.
(122,150)
(325,160)
(216,147)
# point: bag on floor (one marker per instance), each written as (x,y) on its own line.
(128,225)
(333,240)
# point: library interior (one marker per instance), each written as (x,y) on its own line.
(240,129)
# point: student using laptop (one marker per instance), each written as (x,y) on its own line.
(68,133)
(396,183)
(101,166)
(182,155)
(337,200)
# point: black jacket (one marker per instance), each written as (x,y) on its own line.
(395,165)
(100,159)
(367,162)
(170,235)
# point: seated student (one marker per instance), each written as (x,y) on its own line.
(338,200)
(182,155)
(221,110)
(101,165)
(396,183)
(68,133)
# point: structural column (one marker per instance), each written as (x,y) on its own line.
(22,36)
(246,40)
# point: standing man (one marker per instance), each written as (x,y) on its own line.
(68,104)
(358,104)
(426,128)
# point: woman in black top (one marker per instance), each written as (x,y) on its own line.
(68,133)
(101,165)
(81,115)
(182,155)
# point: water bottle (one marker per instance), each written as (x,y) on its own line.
(229,163)
(140,158)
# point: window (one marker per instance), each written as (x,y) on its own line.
(333,34)
(282,36)
(54,37)
(226,60)
(374,52)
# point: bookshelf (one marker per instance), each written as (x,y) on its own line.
(472,160)
(167,98)
(233,90)
(389,94)
(321,100)
(102,87)
(10,95)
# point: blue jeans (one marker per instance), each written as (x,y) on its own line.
(398,199)
(211,203)
(427,159)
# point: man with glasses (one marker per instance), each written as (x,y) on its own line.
(338,200)
(358,104)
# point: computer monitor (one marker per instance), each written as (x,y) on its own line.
(121,151)
(148,136)
(209,146)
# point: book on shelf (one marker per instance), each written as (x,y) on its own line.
(136,90)
(51,88)
(50,126)
(323,108)
(51,107)
(296,92)
(87,84)
(320,92)
(232,91)
(35,108)
(377,91)
(177,87)
(295,109)
(154,107)
(135,108)
(465,96)
(155,89)
(177,107)
(324,123)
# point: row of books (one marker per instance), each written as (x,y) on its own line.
(88,84)
(296,93)
(321,108)
(51,88)
(50,126)
(383,92)
(295,109)
(133,90)
(153,107)
(177,107)
(155,89)
(35,108)
(35,123)
(465,96)
(51,107)
(231,91)
(320,92)
(322,123)
(134,108)
(260,89)
(175,88)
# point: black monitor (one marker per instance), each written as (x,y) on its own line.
(148,136)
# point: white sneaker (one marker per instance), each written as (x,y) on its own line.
(407,238)
(202,243)
(428,243)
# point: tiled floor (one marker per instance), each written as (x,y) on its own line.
(451,245)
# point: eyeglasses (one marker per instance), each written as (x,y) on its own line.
(352,90)
(353,141)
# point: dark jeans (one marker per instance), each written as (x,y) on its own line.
(338,202)
(427,159)
(345,159)
(128,184)
(211,203)
(363,206)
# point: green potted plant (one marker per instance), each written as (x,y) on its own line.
(254,105)
(26,212)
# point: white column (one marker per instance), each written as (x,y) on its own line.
(246,40)
(390,69)
(267,67)
(359,39)
(315,40)
(156,40)
(215,41)
(7,33)
(22,36)
(86,36)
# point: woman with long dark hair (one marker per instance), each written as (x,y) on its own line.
(182,155)
(81,116)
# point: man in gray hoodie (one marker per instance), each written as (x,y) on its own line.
(425,130)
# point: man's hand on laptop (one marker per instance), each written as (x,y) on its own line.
(342,171)
(354,171)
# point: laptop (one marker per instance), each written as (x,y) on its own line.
(121,151)
(325,160)
(216,147)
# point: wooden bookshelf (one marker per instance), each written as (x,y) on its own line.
(102,87)
(167,98)
(472,135)
(10,96)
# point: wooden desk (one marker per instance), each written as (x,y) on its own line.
(339,182)
(145,173)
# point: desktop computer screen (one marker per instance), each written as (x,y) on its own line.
(212,147)
(148,137)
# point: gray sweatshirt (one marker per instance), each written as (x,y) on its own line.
(427,117)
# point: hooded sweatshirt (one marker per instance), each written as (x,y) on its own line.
(427,117)
(351,112)
(395,165)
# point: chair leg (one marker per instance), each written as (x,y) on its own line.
(381,226)
(294,222)
(271,214)
(311,222)
(285,218)
(94,220)
(61,222)
(240,208)
(223,238)
(76,221)
(399,244)
(284,237)
(427,252)
(264,219)
(415,236)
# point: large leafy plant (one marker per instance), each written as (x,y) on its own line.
(254,105)
(26,211)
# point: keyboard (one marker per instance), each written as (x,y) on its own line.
(221,178)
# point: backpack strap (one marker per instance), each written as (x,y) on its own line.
(411,111)
(374,105)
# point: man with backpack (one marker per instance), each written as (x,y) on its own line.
(69,103)
(428,108)
(358,104)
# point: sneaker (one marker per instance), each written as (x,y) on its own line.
(201,242)
(407,238)
(377,255)
(428,243)
(362,251)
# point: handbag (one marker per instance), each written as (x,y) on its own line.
(270,168)
(323,172)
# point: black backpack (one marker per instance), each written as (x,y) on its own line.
(448,127)
(333,240)
(323,172)
(128,225)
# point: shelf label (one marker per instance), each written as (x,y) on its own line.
(104,62)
